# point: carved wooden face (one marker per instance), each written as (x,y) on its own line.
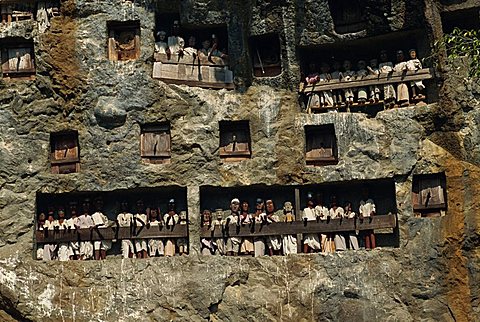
(235,206)
(259,206)
(413,54)
(153,214)
(270,206)
(288,206)
(245,206)
(400,56)
(206,215)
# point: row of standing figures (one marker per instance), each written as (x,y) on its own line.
(403,95)
(175,44)
(84,250)
(265,213)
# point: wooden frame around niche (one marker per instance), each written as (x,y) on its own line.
(266,53)
(64,152)
(235,142)
(18,58)
(155,143)
(429,194)
(320,145)
(123,40)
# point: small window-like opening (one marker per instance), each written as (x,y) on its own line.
(429,194)
(64,152)
(348,15)
(265,53)
(468,19)
(155,143)
(13,11)
(123,40)
(235,140)
(321,145)
(18,59)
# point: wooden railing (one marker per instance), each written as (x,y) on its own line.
(370,80)
(111,233)
(301,227)
(232,230)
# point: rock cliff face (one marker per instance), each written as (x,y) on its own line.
(433,274)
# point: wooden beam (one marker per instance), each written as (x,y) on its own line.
(381,79)
(298,217)
(300,227)
(201,60)
(198,84)
(109,233)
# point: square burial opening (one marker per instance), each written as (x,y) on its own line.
(155,143)
(157,197)
(201,33)
(348,15)
(265,51)
(123,40)
(64,152)
(18,57)
(235,143)
(16,10)
(429,194)
(381,191)
(321,145)
(468,19)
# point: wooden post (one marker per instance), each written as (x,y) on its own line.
(112,50)
(298,217)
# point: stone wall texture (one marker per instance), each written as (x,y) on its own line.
(433,274)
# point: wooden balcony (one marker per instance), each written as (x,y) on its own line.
(301,227)
(370,80)
(111,233)
(199,72)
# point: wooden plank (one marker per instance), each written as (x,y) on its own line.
(299,227)
(112,47)
(109,233)
(198,84)
(381,79)
(188,60)
(234,153)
